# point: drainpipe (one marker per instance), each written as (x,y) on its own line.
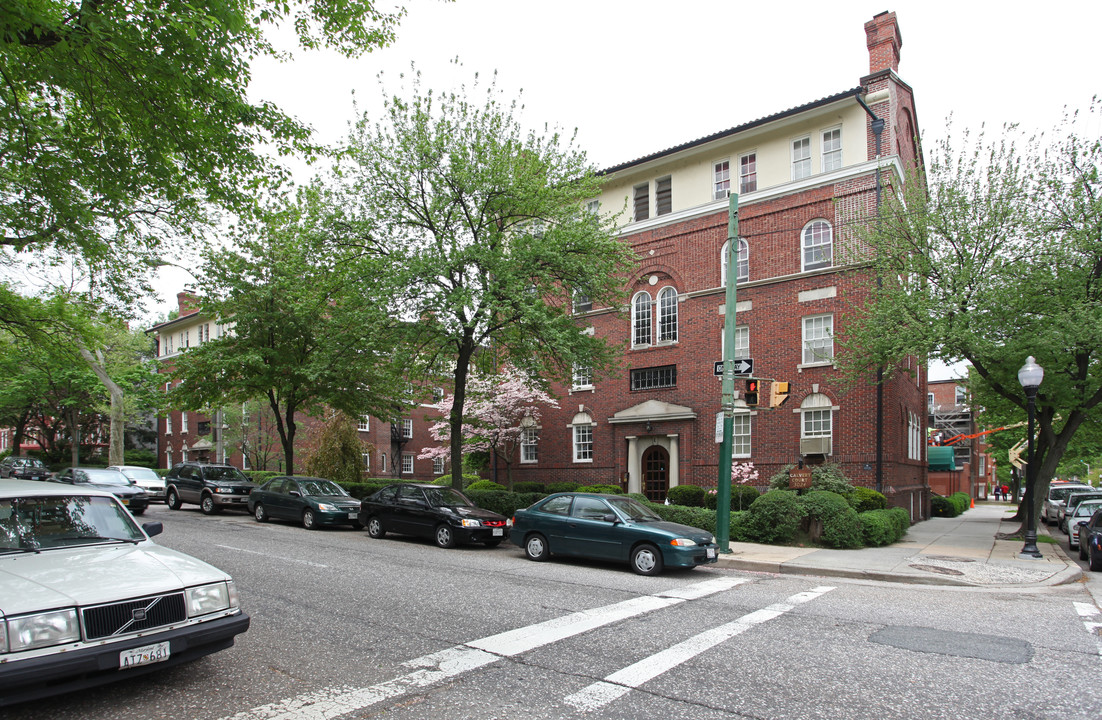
(877,130)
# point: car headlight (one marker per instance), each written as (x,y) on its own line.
(209,598)
(42,630)
(682,542)
(326,507)
(471,523)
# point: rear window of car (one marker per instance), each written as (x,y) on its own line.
(557,506)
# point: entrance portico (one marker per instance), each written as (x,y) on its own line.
(653,454)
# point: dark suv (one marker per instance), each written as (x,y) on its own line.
(210,486)
(23,468)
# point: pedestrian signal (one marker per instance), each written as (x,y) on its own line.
(778,393)
(750,395)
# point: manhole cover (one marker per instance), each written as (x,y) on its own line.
(948,558)
(937,569)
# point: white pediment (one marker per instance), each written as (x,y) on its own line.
(653,410)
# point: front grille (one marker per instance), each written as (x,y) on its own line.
(493,523)
(133,615)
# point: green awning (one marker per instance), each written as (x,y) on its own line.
(940,458)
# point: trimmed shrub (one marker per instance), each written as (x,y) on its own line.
(883,527)
(901,518)
(961,500)
(741,497)
(502,501)
(864,499)
(840,527)
(830,478)
(692,516)
(640,497)
(137,456)
(529,487)
(484,485)
(606,489)
(773,518)
(736,530)
(779,481)
(562,486)
(941,507)
(687,495)
(360,490)
(260,476)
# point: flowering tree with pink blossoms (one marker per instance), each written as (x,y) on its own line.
(743,472)
(499,409)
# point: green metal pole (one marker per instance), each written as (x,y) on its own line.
(723,496)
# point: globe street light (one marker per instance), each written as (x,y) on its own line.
(1030,377)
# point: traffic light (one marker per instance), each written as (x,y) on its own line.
(750,395)
(778,393)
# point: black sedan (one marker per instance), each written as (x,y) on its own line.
(312,501)
(112,481)
(21,467)
(438,512)
(1090,540)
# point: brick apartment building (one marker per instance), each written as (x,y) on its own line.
(805,176)
(952,424)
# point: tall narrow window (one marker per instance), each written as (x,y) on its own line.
(743,262)
(183,422)
(641,202)
(366,459)
(382,462)
(583,443)
(438,466)
(168,458)
(407,429)
(721,183)
(667,315)
(168,424)
(407,463)
(529,448)
(818,339)
(801,158)
(818,245)
(748,173)
(740,446)
(663,196)
(641,319)
(832,149)
(742,342)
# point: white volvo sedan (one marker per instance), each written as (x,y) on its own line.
(86,598)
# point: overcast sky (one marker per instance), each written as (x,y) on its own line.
(637,77)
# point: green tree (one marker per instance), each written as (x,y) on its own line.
(251,427)
(308,334)
(484,232)
(122,121)
(1001,259)
(336,451)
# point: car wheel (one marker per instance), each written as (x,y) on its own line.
(375,527)
(1094,560)
(492,543)
(308,520)
(646,560)
(1082,551)
(536,548)
(445,538)
(172,500)
(137,512)
(207,505)
(260,513)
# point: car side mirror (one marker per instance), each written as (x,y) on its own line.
(295,493)
(153,528)
(611,517)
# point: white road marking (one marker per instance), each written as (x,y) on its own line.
(275,557)
(621,682)
(1089,612)
(430,669)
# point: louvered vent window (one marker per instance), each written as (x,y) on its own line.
(663,196)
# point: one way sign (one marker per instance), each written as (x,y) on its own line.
(743,366)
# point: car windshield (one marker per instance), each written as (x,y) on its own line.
(633,509)
(141,474)
(447,497)
(320,487)
(1061,493)
(1087,508)
(225,474)
(28,462)
(43,523)
(105,477)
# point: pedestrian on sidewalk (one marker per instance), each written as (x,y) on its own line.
(998,493)
(1006,492)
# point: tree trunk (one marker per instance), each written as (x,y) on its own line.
(74,436)
(455,420)
(115,451)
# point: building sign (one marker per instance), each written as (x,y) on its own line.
(799,479)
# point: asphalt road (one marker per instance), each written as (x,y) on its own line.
(347,626)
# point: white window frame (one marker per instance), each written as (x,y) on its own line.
(742,342)
(740,439)
(168,458)
(407,464)
(407,428)
(667,315)
(581,303)
(364,424)
(743,176)
(816,417)
(365,458)
(721,178)
(382,463)
(817,244)
(582,378)
(581,436)
(818,339)
(801,157)
(642,318)
(183,454)
(960,396)
(529,445)
(438,466)
(743,262)
(183,422)
(831,149)
(168,424)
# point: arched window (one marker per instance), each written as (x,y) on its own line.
(818,244)
(641,319)
(743,262)
(667,315)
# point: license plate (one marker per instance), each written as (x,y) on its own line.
(125,501)
(145,655)
(498,532)
(353,516)
(711,552)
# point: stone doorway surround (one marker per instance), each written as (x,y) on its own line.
(638,417)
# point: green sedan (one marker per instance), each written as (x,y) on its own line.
(312,501)
(610,527)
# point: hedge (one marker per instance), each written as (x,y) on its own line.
(883,527)
(741,497)
(773,518)
(840,525)
(950,506)
(687,495)
(864,499)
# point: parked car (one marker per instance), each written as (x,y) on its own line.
(1090,540)
(145,478)
(1057,494)
(1081,513)
(610,527)
(1073,499)
(22,467)
(88,598)
(211,486)
(441,513)
(111,481)
(309,500)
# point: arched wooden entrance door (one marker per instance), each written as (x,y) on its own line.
(656,473)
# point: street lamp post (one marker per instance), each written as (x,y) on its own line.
(1030,377)
(1088,471)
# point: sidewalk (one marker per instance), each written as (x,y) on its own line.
(959,551)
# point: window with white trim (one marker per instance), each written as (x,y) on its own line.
(816,416)
(168,424)
(167,344)
(667,315)
(407,463)
(832,149)
(748,173)
(364,424)
(960,396)
(583,437)
(244,458)
(366,458)
(168,458)
(801,158)
(818,243)
(641,202)
(642,323)
(529,445)
(740,440)
(438,466)
(583,377)
(743,262)
(382,462)
(818,339)
(407,429)
(721,179)
(183,422)
(742,342)
(582,303)
(183,454)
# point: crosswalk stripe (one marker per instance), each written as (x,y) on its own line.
(331,703)
(621,682)
(1088,613)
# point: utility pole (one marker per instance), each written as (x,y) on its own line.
(723,495)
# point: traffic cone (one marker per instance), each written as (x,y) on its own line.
(973,502)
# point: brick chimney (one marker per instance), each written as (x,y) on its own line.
(883,40)
(187,302)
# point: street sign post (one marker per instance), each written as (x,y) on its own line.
(742,366)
